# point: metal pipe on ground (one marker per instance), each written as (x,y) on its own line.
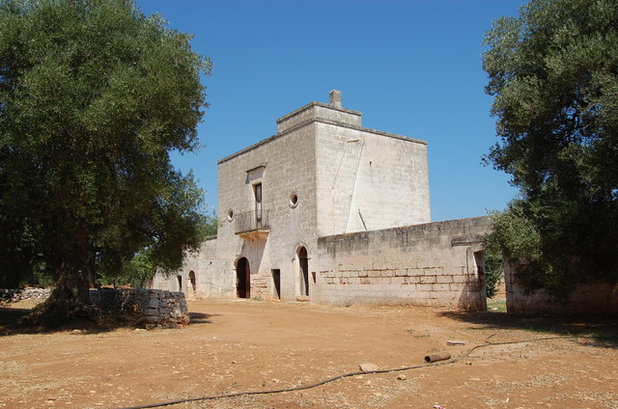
(437,357)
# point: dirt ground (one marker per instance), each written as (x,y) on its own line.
(244,345)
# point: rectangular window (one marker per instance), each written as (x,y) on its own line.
(257,194)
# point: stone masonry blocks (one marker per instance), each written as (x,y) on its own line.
(143,307)
(431,271)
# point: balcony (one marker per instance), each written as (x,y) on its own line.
(249,226)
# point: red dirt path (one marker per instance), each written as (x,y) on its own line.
(247,345)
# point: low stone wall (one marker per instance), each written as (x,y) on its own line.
(18,294)
(137,307)
(143,307)
(592,298)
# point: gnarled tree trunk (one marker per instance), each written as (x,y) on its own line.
(70,298)
(69,301)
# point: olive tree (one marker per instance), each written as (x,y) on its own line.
(553,74)
(94,96)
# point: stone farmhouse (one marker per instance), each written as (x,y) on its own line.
(327,211)
(330,212)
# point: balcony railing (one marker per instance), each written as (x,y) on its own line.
(250,225)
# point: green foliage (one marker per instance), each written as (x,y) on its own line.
(136,273)
(493,270)
(40,277)
(93,97)
(140,269)
(553,73)
(496,305)
(210,228)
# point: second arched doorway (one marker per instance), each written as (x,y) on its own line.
(303,270)
(243,281)
(193,284)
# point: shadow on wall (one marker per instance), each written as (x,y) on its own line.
(595,297)
(472,297)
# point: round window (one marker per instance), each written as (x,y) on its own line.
(293,200)
(230,215)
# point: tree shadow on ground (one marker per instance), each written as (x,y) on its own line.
(9,316)
(201,318)
(10,324)
(600,331)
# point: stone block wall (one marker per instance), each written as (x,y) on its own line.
(435,264)
(369,180)
(592,298)
(212,275)
(143,307)
(134,306)
(318,111)
(285,166)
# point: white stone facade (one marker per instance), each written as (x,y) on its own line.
(321,174)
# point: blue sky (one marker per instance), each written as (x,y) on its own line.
(412,67)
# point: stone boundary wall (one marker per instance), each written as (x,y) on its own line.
(143,307)
(18,294)
(434,264)
(592,298)
(135,306)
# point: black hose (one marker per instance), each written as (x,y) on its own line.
(272,391)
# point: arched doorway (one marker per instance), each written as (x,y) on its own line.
(303,264)
(243,280)
(193,282)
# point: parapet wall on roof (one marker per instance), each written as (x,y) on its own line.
(318,111)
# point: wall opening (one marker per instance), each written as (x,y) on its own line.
(257,194)
(179,279)
(277,282)
(192,281)
(243,281)
(293,200)
(303,264)
(479,261)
